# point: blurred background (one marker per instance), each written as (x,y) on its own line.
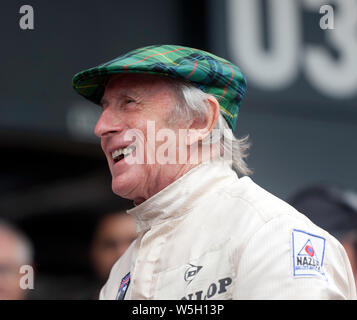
(300,111)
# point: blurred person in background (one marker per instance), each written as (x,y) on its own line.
(334,210)
(114,232)
(15,251)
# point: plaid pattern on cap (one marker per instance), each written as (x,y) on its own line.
(211,74)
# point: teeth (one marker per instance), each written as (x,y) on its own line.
(123,151)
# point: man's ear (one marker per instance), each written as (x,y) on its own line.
(201,128)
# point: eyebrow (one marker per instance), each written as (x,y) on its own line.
(120,95)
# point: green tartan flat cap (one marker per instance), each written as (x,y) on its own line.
(211,74)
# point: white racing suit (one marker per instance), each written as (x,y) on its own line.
(210,235)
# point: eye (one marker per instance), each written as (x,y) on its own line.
(129,100)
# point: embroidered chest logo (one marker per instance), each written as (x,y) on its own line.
(308,254)
(191,272)
(124,284)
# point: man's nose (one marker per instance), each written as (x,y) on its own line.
(108,122)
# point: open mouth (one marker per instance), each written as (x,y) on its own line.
(122,153)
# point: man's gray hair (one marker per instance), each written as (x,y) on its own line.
(25,249)
(192,102)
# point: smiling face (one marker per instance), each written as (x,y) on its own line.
(129,102)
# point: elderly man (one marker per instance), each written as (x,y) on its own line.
(205,230)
